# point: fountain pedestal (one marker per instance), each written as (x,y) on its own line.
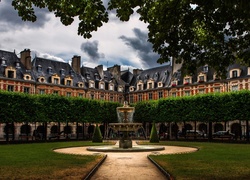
(125,125)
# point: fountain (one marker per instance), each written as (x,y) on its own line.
(125,125)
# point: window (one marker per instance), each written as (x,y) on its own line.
(201,78)
(205,68)
(131,99)
(56,81)
(235,88)
(3,61)
(92,96)
(55,92)
(139,97)
(159,84)
(26,90)
(201,91)
(42,91)
(217,89)
(10,74)
(160,95)
(173,94)
(10,88)
(91,85)
(187,80)
(68,82)
(187,93)
(62,72)
(150,85)
(101,86)
(39,68)
(17,65)
(140,87)
(80,95)
(111,98)
(111,87)
(235,74)
(68,94)
(50,70)
(102,97)
(120,89)
(150,96)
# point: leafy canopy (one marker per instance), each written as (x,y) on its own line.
(195,32)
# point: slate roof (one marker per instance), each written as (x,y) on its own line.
(158,74)
(51,67)
(12,60)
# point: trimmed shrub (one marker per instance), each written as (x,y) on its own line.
(97,136)
(153,135)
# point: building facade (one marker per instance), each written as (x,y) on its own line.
(46,76)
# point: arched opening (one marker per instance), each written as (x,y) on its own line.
(236,129)
(203,128)
(218,127)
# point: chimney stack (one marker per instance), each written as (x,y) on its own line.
(76,63)
(26,59)
(137,71)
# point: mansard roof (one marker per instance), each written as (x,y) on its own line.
(50,67)
(158,74)
(10,59)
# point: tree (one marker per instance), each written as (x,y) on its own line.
(194,32)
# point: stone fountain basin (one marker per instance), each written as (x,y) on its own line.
(125,126)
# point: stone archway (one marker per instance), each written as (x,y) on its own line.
(237,130)
(203,128)
(218,127)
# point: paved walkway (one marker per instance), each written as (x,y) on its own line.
(128,166)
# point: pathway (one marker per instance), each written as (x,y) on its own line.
(128,166)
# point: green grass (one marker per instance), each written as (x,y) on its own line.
(39,161)
(212,161)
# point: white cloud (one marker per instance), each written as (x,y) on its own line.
(56,41)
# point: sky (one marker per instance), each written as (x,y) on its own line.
(116,42)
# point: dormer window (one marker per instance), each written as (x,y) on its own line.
(80,84)
(39,68)
(71,72)
(10,72)
(27,77)
(49,70)
(150,84)
(111,87)
(17,65)
(187,80)
(63,72)
(174,83)
(139,87)
(87,75)
(41,79)
(97,76)
(56,81)
(91,84)
(101,85)
(166,73)
(120,89)
(160,84)
(234,73)
(3,61)
(131,88)
(205,69)
(68,81)
(202,77)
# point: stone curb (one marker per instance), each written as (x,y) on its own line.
(92,172)
(168,176)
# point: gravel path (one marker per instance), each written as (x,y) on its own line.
(128,166)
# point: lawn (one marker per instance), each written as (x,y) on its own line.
(38,161)
(212,161)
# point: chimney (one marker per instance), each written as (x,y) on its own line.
(76,63)
(115,71)
(137,71)
(100,70)
(26,59)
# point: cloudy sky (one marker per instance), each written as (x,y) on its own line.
(122,43)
